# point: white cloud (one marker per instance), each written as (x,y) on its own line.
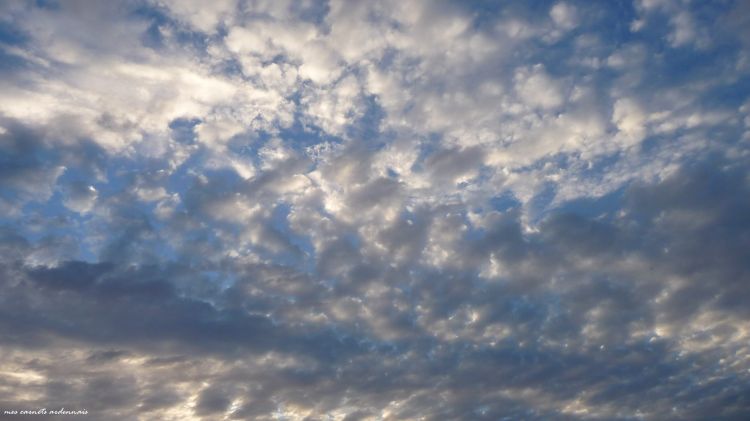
(203,16)
(537,89)
(564,15)
(374,191)
(630,120)
(683,30)
(80,198)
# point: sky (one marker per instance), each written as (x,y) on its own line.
(375,210)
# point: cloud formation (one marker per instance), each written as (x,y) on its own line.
(375,210)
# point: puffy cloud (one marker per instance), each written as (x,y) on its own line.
(80,197)
(564,15)
(630,120)
(537,89)
(374,210)
(203,17)
(623,295)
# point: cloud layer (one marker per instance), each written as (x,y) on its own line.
(375,210)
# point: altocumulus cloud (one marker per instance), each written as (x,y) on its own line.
(375,210)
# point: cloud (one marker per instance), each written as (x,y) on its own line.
(374,210)
(80,197)
(620,294)
(564,15)
(537,89)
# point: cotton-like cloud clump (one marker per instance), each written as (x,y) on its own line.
(325,210)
